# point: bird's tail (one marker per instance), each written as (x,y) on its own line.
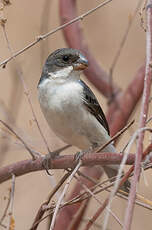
(112,170)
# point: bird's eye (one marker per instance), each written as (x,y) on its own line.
(65,58)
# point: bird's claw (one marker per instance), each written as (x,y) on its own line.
(47,160)
(79,155)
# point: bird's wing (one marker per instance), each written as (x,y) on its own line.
(93,106)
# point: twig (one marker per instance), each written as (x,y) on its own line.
(124,178)
(75,222)
(81,198)
(6,208)
(41,210)
(143,117)
(14,96)
(97,213)
(42,37)
(108,208)
(92,194)
(63,194)
(26,91)
(148,120)
(74,37)
(21,140)
(122,43)
(118,134)
(114,190)
(141,16)
(11,219)
(116,184)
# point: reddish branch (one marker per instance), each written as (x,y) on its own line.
(63,162)
(123,106)
(74,38)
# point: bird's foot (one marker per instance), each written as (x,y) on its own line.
(51,156)
(80,154)
(47,160)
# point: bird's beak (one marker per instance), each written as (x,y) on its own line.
(81,64)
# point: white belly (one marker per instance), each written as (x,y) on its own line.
(64,111)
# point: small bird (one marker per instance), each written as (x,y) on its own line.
(70,107)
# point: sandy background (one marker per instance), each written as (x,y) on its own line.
(103,32)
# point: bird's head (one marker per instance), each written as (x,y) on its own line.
(64,63)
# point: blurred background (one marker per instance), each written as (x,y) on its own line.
(103,31)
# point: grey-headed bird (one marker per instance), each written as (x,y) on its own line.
(70,107)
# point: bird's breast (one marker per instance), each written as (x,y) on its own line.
(61,104)
(57,97)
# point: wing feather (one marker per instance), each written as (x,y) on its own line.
(92,105)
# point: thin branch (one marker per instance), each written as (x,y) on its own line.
(108,208)
(11,219)
(75,222)
(96,215)
(26,91)
(42,37)
(63,194)
(143,118)
(92,194)
(124,178)
(19,138)
(81,198)
(116,136)
(122,43)
(6,208)
(116,184)
(41,210)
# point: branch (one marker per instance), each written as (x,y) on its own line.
(124,178)
(74,38)
(42,37)
(120,112)
(74,171)
(41,210)
(63,162)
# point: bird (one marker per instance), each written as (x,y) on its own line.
(70,107)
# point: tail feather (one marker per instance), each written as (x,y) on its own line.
(112,170)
